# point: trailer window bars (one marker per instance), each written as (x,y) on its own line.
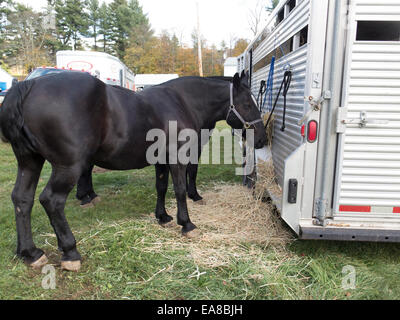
(285,48)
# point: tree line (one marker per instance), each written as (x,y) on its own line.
(29,39)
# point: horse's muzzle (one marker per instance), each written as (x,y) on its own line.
(260,144)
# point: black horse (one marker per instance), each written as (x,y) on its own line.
(88,197)
(74,120)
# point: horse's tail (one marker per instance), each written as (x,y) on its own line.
(12,125)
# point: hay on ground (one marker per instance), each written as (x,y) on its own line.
(231,220)
(266,179)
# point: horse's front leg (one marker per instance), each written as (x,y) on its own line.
(162,175)
(178,173)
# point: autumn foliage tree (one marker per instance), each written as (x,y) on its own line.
(26,38)
(164,54)
(118,27)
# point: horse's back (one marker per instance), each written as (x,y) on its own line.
(65,112)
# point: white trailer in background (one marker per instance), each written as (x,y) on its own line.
(338,161)
(6,80)
(230,67)
(106,67)
(144,81)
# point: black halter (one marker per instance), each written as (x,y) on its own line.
(232,108)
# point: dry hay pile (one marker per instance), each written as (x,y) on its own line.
(266,179)
(270,129)
(233,224)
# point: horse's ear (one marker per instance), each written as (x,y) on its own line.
(245,78)
(236,81)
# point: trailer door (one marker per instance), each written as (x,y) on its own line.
(368,165)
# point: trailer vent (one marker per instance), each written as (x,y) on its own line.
(378,31)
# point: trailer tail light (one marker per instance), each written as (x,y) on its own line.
(396,210)
(312,131)
(303,130)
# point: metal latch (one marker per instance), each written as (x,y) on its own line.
(315,105)
(362,122)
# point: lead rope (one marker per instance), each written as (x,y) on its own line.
(287,79)
(261,92)
(270,86)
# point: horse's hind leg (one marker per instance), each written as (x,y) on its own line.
(29,169)
(53,199)
(162,187)
(191,186)
(178,173)
(85,191)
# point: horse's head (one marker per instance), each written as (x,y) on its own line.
(243,113)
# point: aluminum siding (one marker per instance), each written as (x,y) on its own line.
(371,155)
(285,143)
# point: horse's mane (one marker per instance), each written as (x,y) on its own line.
(230,79)
(122,88)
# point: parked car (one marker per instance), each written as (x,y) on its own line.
(2,96)
(39,72)
(4,92)
(36,73)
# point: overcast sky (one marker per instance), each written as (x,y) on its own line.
(219,19)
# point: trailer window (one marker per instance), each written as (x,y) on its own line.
(304,36)
(281,16)
(378,31)
(291,5)
(279,52)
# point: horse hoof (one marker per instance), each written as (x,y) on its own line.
(96,200)
(194,234)
(87,206)
(74,266)
(40,263)
(168,225)
(201,202)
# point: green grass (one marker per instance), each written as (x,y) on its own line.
(117,240)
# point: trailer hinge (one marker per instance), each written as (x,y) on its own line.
(341,118)
(315,105)
(320,212)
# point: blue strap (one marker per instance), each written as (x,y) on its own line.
(270,86)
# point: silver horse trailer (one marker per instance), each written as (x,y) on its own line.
(337,162)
